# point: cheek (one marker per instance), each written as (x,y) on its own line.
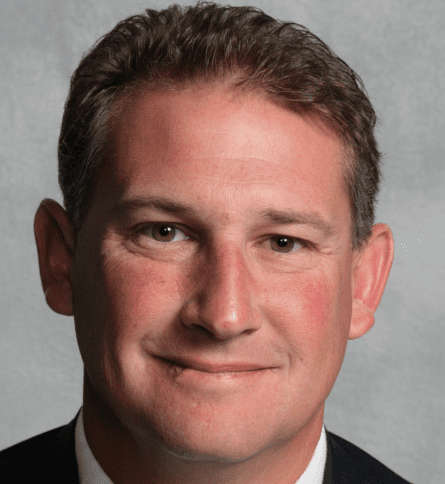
(139,294)
(319,323)
(316,299)
(303,305)
(309,312)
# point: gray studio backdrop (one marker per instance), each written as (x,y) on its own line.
(389,397)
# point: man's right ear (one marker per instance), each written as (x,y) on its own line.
(55,247)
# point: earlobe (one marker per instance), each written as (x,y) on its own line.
(362,319)
(371,269)
(55,248)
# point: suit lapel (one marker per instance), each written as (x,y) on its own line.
(59,457)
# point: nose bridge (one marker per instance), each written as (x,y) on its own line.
(225,304)
(227,285)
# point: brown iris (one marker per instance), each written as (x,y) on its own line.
(282,244)
(162,232)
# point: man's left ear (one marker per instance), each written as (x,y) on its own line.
(370,271)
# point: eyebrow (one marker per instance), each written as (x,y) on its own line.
(280,217)
(158,203)
(292,217)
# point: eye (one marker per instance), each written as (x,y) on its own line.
(285,244)
(162,232)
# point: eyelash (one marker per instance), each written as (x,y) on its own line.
(140,229)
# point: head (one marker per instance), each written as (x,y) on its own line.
(208,44)
(207,252)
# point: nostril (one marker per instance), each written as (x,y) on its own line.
(203,329)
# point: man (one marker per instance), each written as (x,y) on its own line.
(219,172)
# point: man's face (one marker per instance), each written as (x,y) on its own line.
(201,247)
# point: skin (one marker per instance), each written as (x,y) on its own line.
(224,289)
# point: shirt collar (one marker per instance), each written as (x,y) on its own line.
(90,471)
(314,472)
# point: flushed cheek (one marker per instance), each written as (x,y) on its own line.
(324,330)
(317,302)
(304,313)
(302,307)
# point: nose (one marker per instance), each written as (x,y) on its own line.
(223,303)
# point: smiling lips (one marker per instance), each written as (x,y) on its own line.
(213,367)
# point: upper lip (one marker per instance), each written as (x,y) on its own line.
(215,367)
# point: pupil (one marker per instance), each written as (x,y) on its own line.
(282,242)
(165,231)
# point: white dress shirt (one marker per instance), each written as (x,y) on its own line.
(90,472)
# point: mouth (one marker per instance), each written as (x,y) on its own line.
(214,378)
(180,364)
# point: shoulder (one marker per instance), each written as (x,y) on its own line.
(50,455)
(29,448)
(349,463)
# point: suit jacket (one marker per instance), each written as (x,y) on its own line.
(51,458)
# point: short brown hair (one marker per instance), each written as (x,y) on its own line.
(171,48)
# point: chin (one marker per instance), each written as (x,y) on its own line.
(218,439)
(213,452)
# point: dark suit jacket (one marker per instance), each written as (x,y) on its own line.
(51,458)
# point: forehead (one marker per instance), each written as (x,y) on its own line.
(216,114)
(227,149)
